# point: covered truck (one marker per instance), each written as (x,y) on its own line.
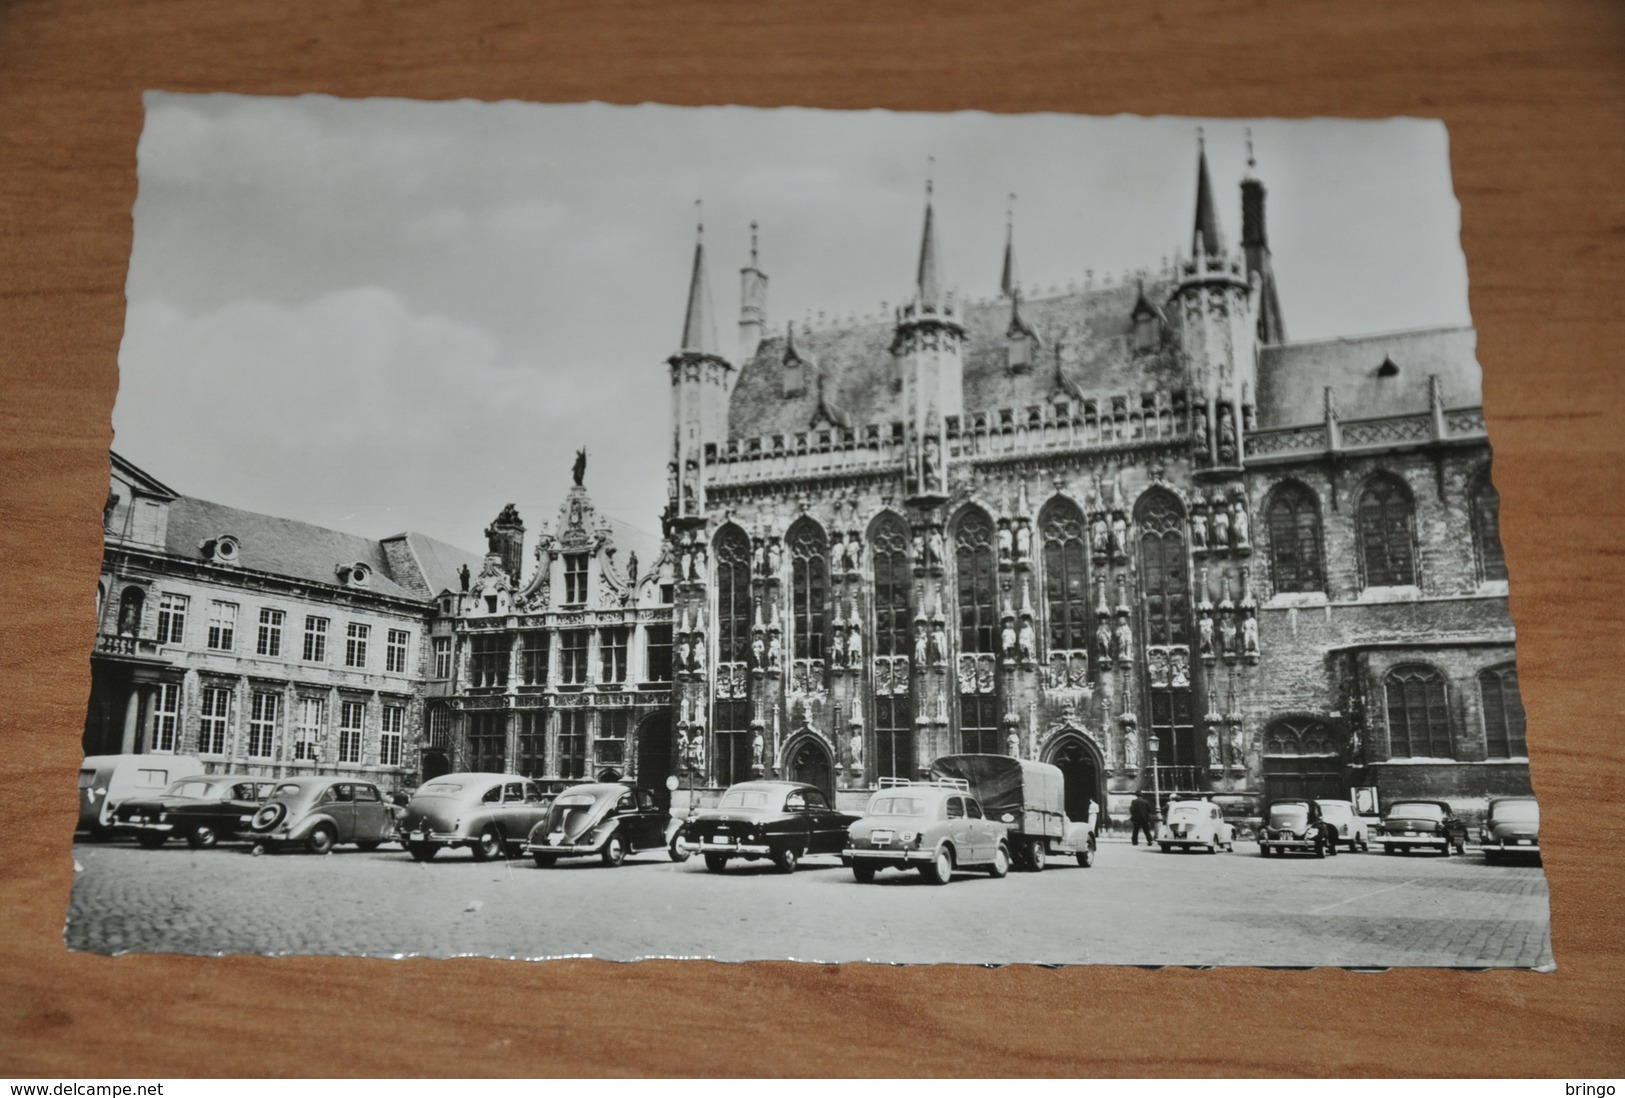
(1030,797)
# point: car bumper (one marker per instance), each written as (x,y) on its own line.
(562,850)
(1289,844)
(1187,840)
(1416,840)
(436,838)
(1514,846)
(711,846)
(878,854)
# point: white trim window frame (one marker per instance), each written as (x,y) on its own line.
(389,735)
(315,650)
(356,636)
(308,736)
(269,641)
(172,619)
(395,648)
(352,725)
(214,720)
(222,626)
(262,724)
(166,718)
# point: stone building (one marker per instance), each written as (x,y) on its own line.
(565,675)
(259,644)
(1127,527)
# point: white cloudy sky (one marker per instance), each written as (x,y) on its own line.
(386,314)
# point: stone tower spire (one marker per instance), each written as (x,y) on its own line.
(928,286)
(699,323)
(1255,246)
(752,304)
(1009,277)
(928,349)
(701,380)
(1205,238)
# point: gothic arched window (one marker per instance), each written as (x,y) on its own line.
(892,745)
(1387,538)
(1418,714)
(809,587)
(1163,573)
(1492,563)
(1066,587)
(977,580)
(1504,721)
(732,714)
(1294,525)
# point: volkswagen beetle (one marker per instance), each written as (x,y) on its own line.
(607,820)
(1196,823)
(934,826)
(1295,824)
(491,814)
(200,810)
(781,821)
(1512,827)
(320,813)
(1431,824)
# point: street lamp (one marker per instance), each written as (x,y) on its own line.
(1152,745)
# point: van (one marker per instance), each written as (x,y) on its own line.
(105,780)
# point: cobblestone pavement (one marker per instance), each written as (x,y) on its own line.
(1135,906)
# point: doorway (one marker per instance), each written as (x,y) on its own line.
(810,762)
(653,757)
(1080,766)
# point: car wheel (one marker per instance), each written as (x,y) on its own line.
(321,840)
(1086,856)
(1001,861)
(1461,846)
(544,861)
(614,852)
(151,840)
(1331,847)
(1387,848)
(677,849)
(202,837)
(862,873)
(1490,857)
(1365,845)
(1320,848)
(785,860)
(422,852)
(1166,847)
(488,845)
(941,867)
(716,863)
(1036,854)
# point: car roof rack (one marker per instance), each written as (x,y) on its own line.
(959,784)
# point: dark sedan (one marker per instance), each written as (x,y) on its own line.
(200,810)
(1433,825)
(1511,827)
(781,821)
(1296,824)
(606,820)
(319,813)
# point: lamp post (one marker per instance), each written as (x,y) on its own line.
(1152,744)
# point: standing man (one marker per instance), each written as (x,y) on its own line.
(1139,814)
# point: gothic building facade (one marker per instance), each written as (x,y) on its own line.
(1127,527)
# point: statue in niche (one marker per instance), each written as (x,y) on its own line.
(697,665)
(1238,525)
(921,647)
(579,470)
(1024,542)
(1125,641)
(683,650)
(1249,636)
(759,649)
(854,647)
(920,559)
(854,544)
(671,482)
(1199,530)
(692,471)
(1119,535)
(1213,745)
(939,646)
(1012,744)
(632,568)
(1103,640)
(463,576)
(759,551)
(756,746)
(1204,633)
(1227,636)
(1131,750)
(1006,542)
(1199,432)
(1227,435)
(931,466)
(1238,755)
(1026,642)
(1097,535)
(855,746)
(937,554)
(685,561)
(775,653)
(1221,528)
(1007,641)
(1180,667)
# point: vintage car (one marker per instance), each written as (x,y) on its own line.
(1512,827)
(1031,798)
(1348,826)
(1408,825)
(200,810)
(491,814)
(606,820)
(783,821)
(933,826)
(1295,824)
(320,813)
(107,780)
(1193,823)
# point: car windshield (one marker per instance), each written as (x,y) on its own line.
(440,789)
(897,806)
(286,789)
(188,787)
(1335,811)
(1517,812)
(744,798)
(1418,809)
(1294,810)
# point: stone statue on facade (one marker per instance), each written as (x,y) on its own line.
(579,471)
(758,649)
(1238,757)
(939,646)
(1026,642)
(775,653)
(1131,750)
(756,747)
(855,746)
(632,568)
(937,554)
(1007,641)
(1204,633)
(1249,636)
(854,647)
(1221,528)
(1103,641)
(1119,536)
(1238,525)
(1012,745)
(1199,432)
(1024,542)
(1097,535)
(464,576)
(1213,745)
(921,647)
(1227,636)
(1125,641)
(1199,530)
(1007,542)
(931,466)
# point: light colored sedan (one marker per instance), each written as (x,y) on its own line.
(491,814)
(935,827)
(1347,825)
(1196,823)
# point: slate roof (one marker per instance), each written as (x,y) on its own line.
(437,563)
(1293,377)
(1091,330)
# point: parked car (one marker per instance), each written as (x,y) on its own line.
(1348,826)
(1295,824)
(934,826)
(320,813)
(200,810)
(1409,825)
(1193,823)
(107,780)
(1512,827)
(607,820)
(491,814)
(1031,798)
(784,821)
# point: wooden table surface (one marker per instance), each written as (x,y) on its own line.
(1535,102)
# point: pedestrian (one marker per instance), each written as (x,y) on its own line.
(1139,814)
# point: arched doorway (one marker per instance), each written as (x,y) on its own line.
(434,764)
(1081,767)
(808,760)
(653,757)
(1301,760)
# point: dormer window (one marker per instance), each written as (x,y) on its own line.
(358,574)
(1021,340)
(224,549)
(575,578)
(1147,321)
(795,378)
(1389,368)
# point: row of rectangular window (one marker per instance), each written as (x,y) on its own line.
(214,724)
(488,742)
(490,657)
(221,635)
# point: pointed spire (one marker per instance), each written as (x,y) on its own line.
(928,287)
(753,240)
(1205,235)
(699,325)
(1009,279)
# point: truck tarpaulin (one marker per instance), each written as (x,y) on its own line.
(1033,792)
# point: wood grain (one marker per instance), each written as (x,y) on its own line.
(1533,97)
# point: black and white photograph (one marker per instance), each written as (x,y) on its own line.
(542,531)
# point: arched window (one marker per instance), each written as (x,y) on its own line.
(1492,563)
(732,714)
(1386,537)
(130,606)
(1418,714)
(1301,760)
(977,580)
(1066,587)
(1165,591)
(892,745)
(1294,525)
(1503,713)
(809,587)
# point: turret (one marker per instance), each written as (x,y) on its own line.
(752,304)
(928,347)
(505,539)
(701,380)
